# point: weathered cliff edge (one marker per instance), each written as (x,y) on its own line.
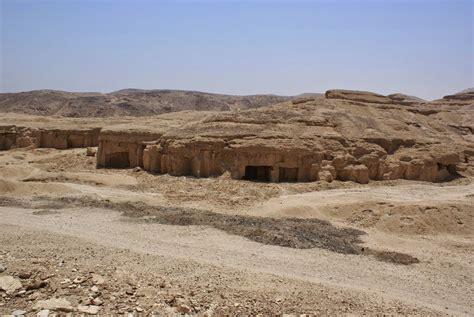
(12,136)
(345,135)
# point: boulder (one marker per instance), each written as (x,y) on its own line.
(91,151)
(356,173)
(57,304)
(327,173)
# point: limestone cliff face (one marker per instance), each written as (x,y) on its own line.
(122,150)
(329,162)
(207,158)
(346,136)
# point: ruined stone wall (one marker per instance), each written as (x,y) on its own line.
(18,137)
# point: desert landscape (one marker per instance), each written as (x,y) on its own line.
(174,202)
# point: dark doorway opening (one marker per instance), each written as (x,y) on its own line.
(118,160)
(258,173)
(288,174)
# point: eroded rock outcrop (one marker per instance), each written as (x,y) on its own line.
(354,95)
(122,150)
(349,136)
(17,137)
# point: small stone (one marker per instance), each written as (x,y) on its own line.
(19,312)
(59,304)
(24,275)
(97,301)
(79,280)
(139,309)
(184,309)
(46,276)
(98,279)
(170,311)
(43,313)
(36,285)
(91,310)
(94,289)
(137,169)
(2,268)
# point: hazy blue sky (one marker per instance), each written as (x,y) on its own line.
(417,47)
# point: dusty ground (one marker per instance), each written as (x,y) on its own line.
(219,246)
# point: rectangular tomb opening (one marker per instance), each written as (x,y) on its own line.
(288,174)
(118,160)
(258,173)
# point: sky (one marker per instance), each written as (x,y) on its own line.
(418,47)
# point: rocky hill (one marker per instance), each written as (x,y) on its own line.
(140,102)
(344,135)
(127,102)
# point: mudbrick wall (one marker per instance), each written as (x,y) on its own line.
(18,137)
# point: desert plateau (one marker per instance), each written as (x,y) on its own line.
(167,202)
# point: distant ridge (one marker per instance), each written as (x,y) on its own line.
(126,102)
(145,102)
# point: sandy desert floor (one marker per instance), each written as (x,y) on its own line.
(74,237)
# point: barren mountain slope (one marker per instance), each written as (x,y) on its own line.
(127,102)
